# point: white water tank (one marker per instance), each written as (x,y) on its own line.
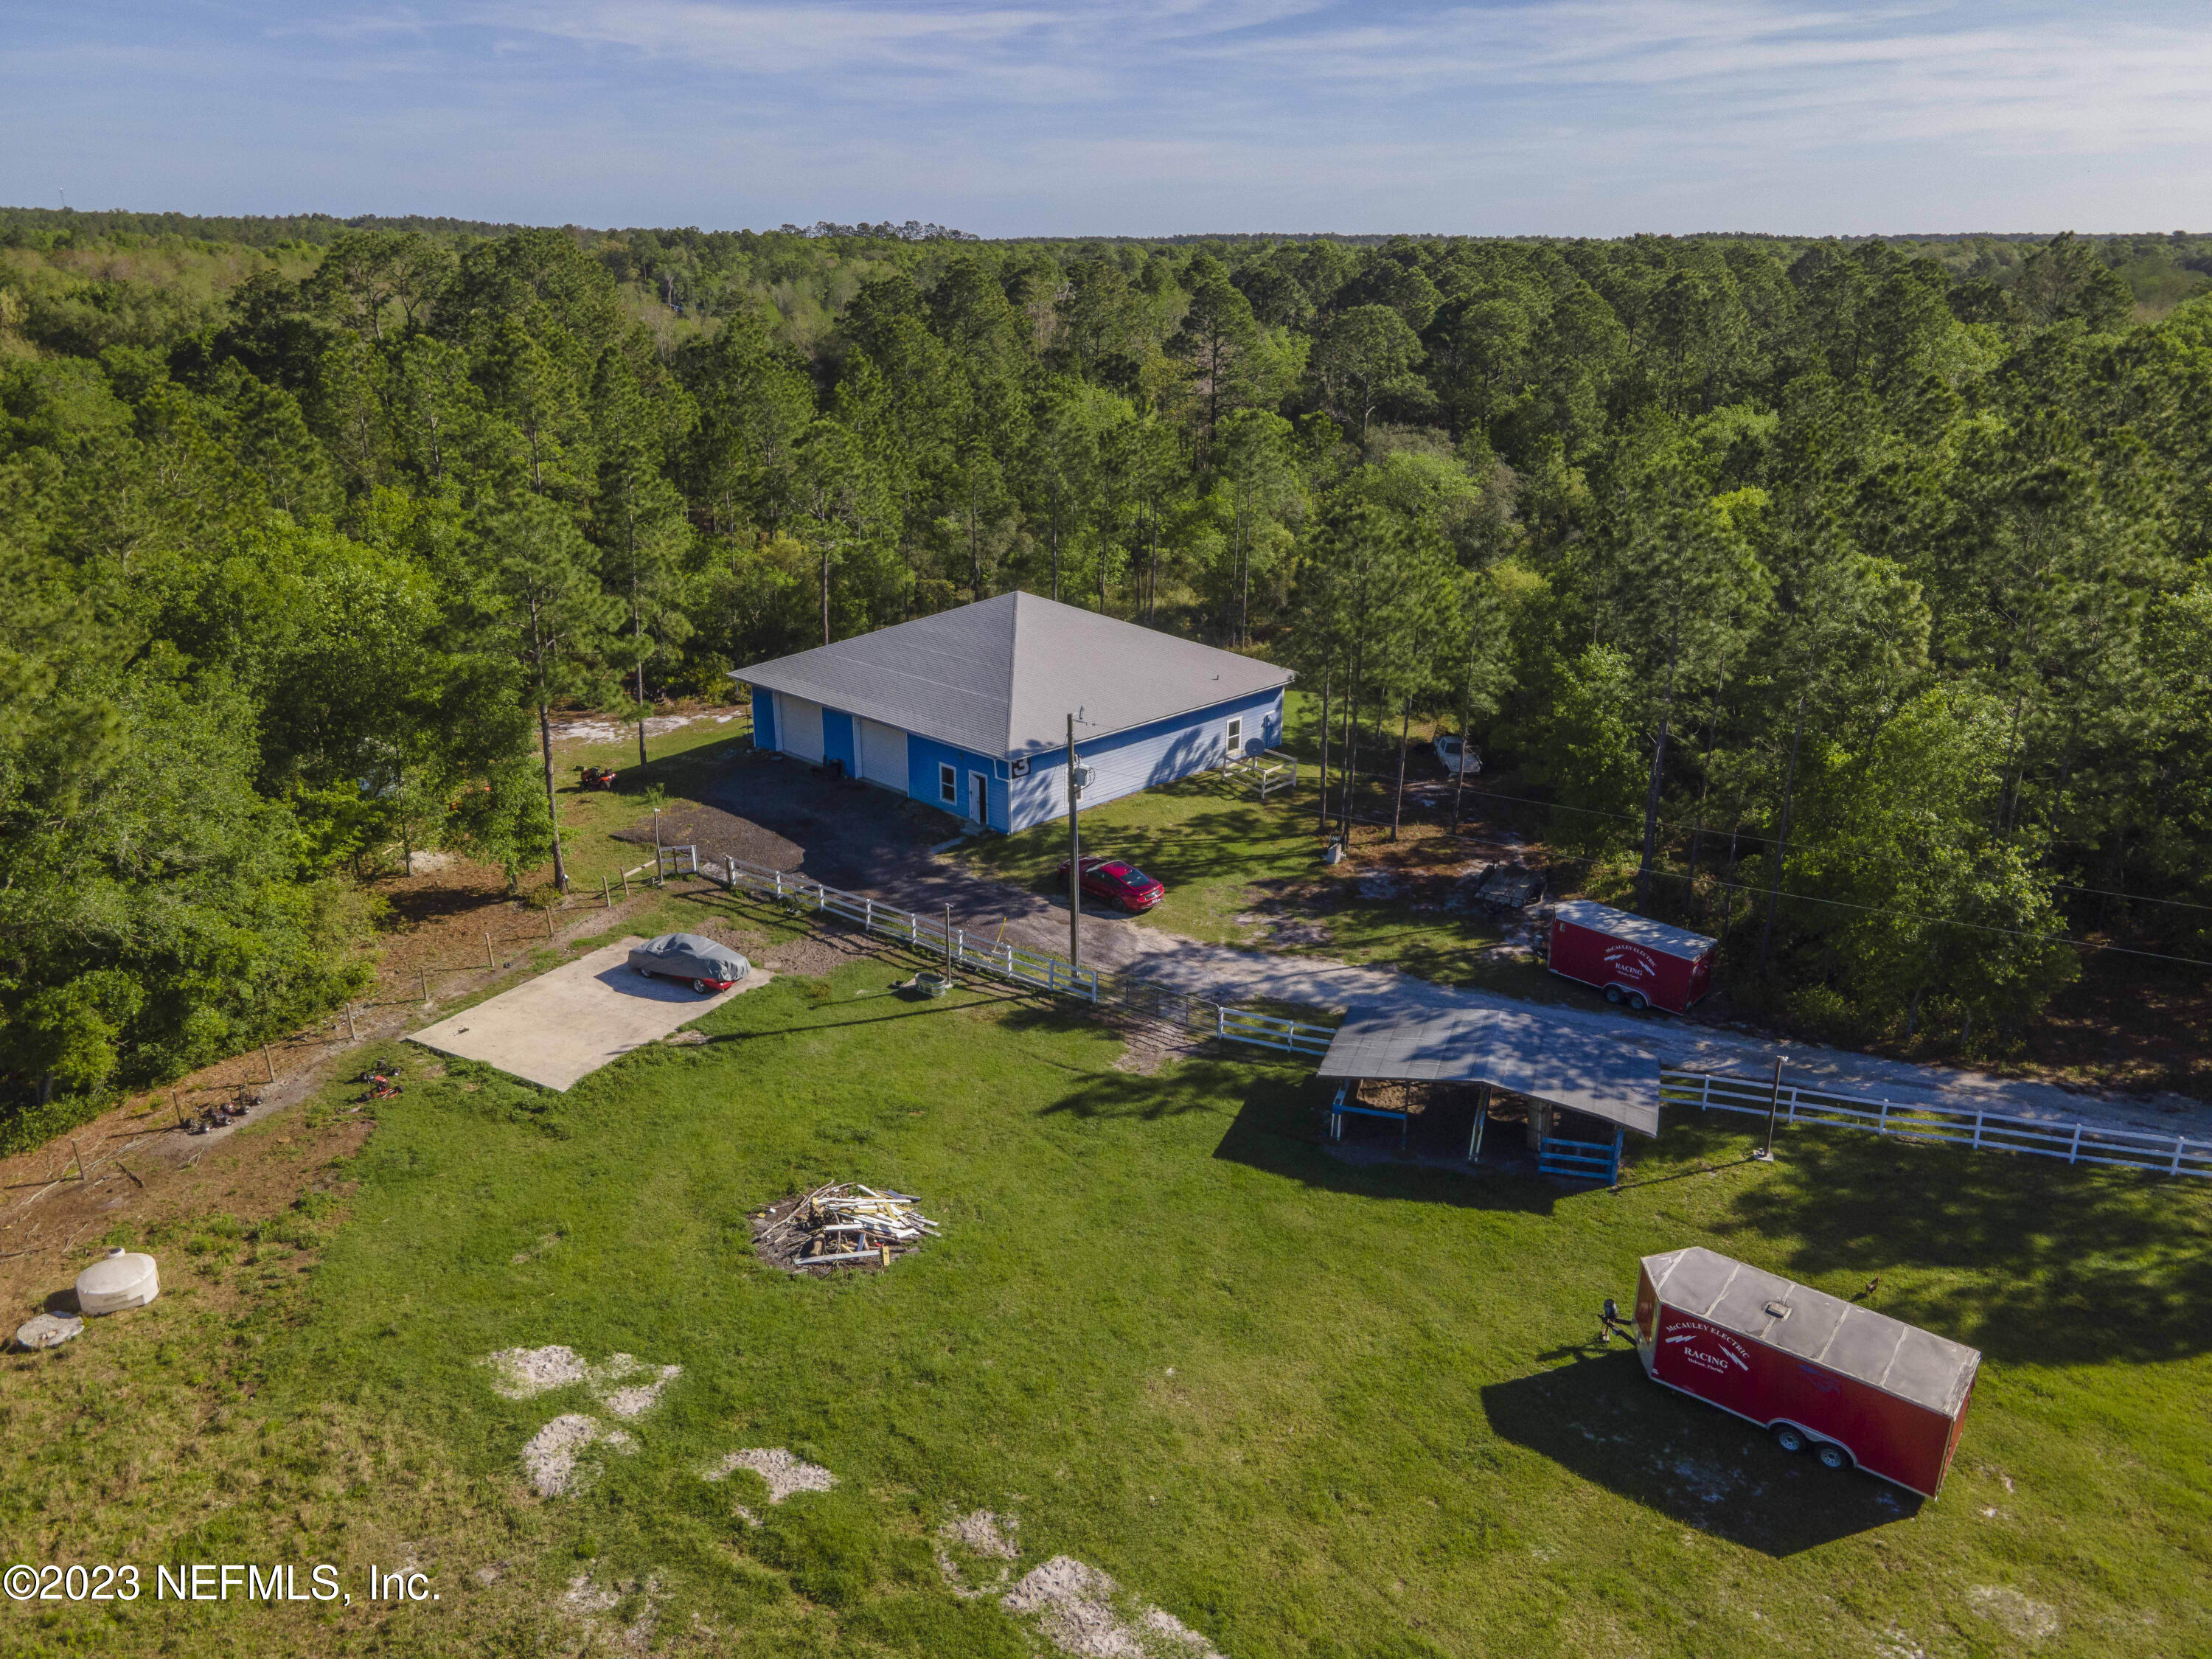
(124,1280)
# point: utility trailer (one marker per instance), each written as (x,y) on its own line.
(1631,958)
(1855,1388)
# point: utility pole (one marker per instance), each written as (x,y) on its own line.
(1773,1107)
(1074,858)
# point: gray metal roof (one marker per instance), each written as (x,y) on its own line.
(1902,1360)
(1637,930)
(1000,677)
(1524,1052)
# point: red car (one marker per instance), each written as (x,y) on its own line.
(1118,882)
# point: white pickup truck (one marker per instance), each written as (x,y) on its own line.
(1454,755)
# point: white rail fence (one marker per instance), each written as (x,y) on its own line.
(1799,1106)
(1039,970)
(680,861)
(2076,1142)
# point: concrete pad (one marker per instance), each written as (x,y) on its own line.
(565,1024)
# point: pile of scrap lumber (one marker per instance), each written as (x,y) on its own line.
(844,1224)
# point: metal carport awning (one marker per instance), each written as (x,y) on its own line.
(1524,1054)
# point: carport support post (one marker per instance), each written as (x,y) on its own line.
(1074,860)
(1773,1106)
(1481,1117)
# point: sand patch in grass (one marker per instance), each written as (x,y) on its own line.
(525,1373)
(551,1456)
(784,1473)
(1078,1608)
(2027,1621)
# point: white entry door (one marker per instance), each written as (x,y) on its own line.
(978,798)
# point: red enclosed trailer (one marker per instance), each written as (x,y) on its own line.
(1631,958)
(1856,1387)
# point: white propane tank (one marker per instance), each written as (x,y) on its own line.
(124,1280)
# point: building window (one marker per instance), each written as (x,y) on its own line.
(948,785)
(1237,737)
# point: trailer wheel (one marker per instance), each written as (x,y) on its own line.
(1635,1002)
(1613,993)
(1832,1456)
(1790,1437)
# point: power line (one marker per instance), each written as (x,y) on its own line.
(1765,841)
(2132,898)
(1942,921)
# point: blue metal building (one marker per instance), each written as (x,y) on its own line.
(968,709)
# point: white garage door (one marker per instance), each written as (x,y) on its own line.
(883,754)
(799,723)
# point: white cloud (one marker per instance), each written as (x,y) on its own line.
(1014,114)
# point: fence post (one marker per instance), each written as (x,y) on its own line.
(1978,1116)
(2074,1151)
(351,1037)
(869,924)
(1220,1021)
(778,883)
(2180,1141)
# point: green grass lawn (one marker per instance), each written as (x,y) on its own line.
(683,764)
(1310,1409)
(1221,853)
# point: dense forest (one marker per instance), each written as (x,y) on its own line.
(1846,598)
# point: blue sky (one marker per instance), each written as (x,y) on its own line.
(1128,116)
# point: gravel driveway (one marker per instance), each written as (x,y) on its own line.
(783,814)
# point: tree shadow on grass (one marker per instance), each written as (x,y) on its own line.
(1273,1121)
(1602,1419)
(2026,1258)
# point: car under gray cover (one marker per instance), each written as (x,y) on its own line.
(690,957)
